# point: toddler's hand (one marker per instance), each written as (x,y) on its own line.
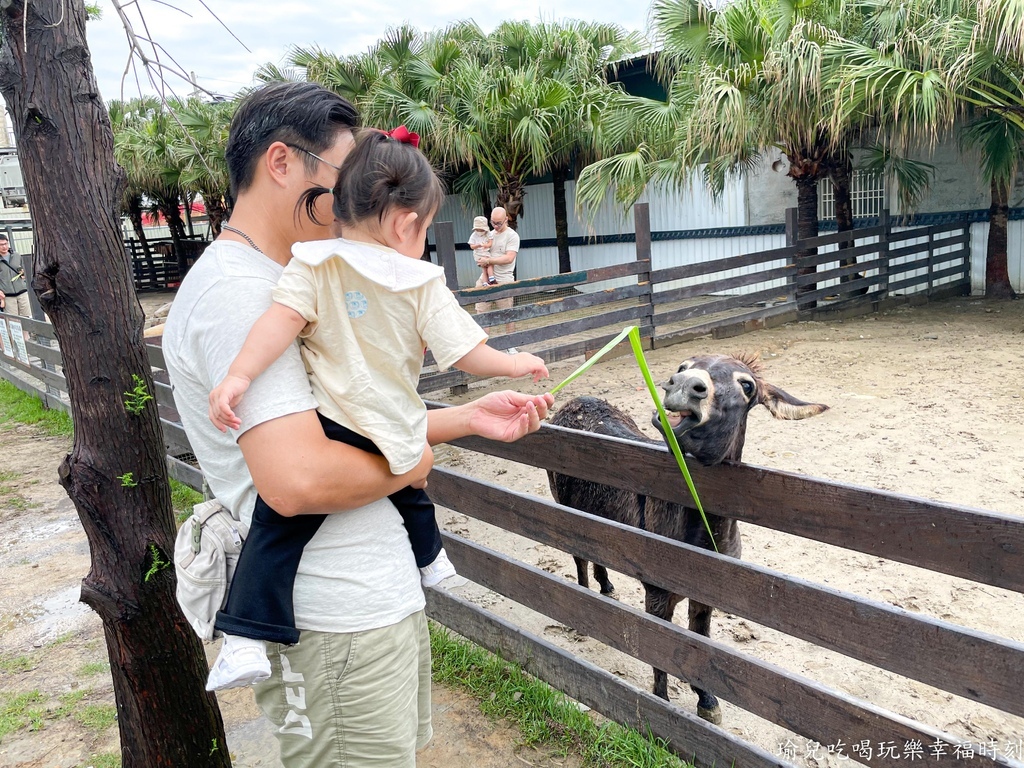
(523,363)
(223,398)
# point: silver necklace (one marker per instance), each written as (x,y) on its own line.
(242,234)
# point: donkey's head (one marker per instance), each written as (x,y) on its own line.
(708,400)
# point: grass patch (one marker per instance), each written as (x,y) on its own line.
(68,702)
(17,712)
(67,637)
(12,665)
(183,499)
(9,495)
(18,406)
(22,407)
(93,668)
(105,760)
(98,717)
(543,715)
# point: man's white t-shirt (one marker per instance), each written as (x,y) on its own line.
(358,572)
(505,241)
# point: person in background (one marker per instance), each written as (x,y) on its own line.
(13,288)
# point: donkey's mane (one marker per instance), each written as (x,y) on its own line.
(750,359)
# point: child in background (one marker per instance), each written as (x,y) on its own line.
(364,307)
(480,241)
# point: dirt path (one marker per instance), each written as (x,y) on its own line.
(926,401)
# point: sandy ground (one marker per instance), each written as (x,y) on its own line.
(926,401)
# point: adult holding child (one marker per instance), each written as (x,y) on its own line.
(501,259)
(357,598)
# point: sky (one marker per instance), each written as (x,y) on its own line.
(200,44)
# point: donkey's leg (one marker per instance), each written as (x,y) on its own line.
(661,603)
(707,704)
(582,576)
(601,574)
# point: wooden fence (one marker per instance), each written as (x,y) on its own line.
(854,272)
(157,269)
(980,546)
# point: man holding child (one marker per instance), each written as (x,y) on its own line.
(355,689)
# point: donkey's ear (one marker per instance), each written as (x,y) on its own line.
(783,405)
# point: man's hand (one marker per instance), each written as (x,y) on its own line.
(507,416)
(417,477)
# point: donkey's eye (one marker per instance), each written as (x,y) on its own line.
(748,387)
(684,366)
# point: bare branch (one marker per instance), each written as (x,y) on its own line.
(203,3)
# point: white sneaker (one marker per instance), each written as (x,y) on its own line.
(241,662)
(441,570)
(512,351)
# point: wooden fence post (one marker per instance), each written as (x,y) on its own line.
(444,236)
(931,262)
(883,250)
(28,262)
(642,224)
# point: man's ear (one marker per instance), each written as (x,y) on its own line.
(276,162)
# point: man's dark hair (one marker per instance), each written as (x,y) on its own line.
(379,174)
(3,236)
(305,115)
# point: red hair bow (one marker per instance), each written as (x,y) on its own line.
(404,135)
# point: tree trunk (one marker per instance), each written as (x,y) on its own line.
(171,211)
(116,473)
(485,201)
(559,175)
(840,175)
(510,197)
(997,275)
(188,213)
(135,216)
(806,228)
(216,212)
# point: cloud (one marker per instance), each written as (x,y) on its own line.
(200,44)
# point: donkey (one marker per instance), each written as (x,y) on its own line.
(707,401)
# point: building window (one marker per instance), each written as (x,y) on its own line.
(867,193)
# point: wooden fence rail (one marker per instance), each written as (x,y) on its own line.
(854,272)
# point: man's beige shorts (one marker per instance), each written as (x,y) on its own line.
(351,700)
(18,305)
(487,306)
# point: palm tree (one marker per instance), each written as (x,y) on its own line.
(743,80)
(929,63)
(493,110)
(200,149)
(124,117)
